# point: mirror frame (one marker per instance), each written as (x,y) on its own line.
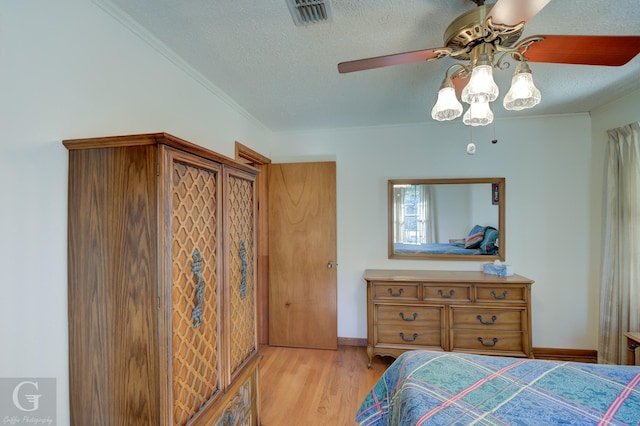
(501,218)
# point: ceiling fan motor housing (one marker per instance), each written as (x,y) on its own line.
(470,30)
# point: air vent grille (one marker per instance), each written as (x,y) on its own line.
(305,12)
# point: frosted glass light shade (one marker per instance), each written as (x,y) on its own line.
(478,114)
(447,106)
(523,93)
(481,87)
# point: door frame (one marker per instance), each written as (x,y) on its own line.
(246,155)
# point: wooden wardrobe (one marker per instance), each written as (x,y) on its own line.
(161,267)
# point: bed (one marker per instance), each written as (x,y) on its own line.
(448,388)
(435,248)
(481,240)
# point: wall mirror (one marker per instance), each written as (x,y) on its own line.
(447,219)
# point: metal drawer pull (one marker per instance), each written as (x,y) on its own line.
(446,296)
(488,344)
(396,294)
(415,315)
(409,339)
(196,268)
(242,253)
(504,295)
(492,321)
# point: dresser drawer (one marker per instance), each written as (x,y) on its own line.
(487,319)
(410,325)
(239,410)
(382,290)
(411,335)
(397,316)
(447,293)
(501,294)
(480,340)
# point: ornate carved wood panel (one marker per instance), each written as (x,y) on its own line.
(241,233)
(195,289)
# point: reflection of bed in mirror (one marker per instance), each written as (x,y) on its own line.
(482,240)
(460,219)
(434,248)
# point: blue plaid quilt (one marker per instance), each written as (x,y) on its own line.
(446,388)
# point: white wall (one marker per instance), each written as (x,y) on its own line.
(67,70)
(453,214)
(484,211)
(547,166)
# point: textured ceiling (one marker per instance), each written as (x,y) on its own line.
(286,76)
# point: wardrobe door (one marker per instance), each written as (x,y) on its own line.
(240,233)
(194,293)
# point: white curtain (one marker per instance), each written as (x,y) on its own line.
(620,280)
(420,204)
(425,216)
(398,226)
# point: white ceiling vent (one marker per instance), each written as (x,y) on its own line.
(305,12)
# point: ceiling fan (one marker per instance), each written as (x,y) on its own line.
(487,35)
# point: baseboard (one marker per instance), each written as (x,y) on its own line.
(352,341)
(558,354)
(574,355)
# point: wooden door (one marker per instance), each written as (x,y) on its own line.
(240,261)
(194,296)
(302,255)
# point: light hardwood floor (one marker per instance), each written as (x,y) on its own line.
(314,387)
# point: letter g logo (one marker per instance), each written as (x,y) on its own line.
(32,398)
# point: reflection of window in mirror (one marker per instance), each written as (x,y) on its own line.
(412,218)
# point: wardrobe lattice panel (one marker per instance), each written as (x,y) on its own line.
(195,361)
(242,300)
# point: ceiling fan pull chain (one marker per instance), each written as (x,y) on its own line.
(471,147)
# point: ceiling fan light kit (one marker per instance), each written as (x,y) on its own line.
(481,87)
(487,35)
(447,107)
(477,39)
(478,114)
(523,93)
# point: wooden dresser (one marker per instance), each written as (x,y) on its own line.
(447,311)
(161,266)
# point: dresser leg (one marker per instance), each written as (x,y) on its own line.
(370,355)
(632,345)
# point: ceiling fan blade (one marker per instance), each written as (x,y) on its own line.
(394,59)
(584,50)
(513,12)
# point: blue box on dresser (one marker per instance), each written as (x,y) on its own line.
(495,269)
